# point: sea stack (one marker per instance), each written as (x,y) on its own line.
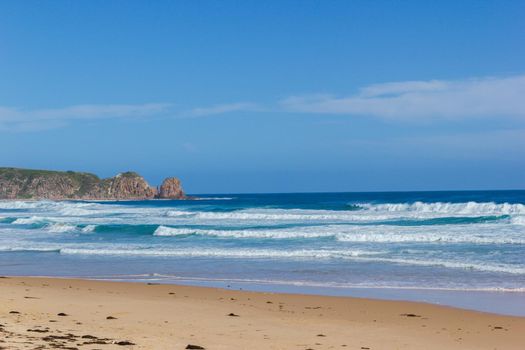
(171,189)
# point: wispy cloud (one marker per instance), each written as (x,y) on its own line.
(38,119)
(223,109)
(482,97)
(22,119)
(490,97)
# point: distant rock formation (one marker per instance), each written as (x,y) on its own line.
(62,185)
(128,185)
(170,189)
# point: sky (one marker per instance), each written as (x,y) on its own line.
(273,96)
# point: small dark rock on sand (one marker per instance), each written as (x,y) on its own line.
(410,315)
(62,314)
(231,314)
(124,342)
(38,330)
(197,347)
(111,318)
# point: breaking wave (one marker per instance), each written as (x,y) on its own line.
(237,253)
(478,243)
(356,255)
(466,208)
(365,234)
(59,228)
(29,221)
(366,212)
(504,268)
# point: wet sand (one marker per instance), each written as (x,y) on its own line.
(46,313)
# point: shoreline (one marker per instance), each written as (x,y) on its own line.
(162,316)
(504,302)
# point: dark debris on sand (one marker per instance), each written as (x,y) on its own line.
(125,342)
(65,341)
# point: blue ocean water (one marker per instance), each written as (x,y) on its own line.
(455,241)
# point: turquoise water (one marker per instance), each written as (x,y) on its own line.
(455,241)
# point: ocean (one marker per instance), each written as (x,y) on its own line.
(442,247)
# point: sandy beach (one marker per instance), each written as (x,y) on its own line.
(46,313)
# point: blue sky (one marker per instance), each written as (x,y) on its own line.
(282,96)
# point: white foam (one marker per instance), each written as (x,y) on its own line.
(170,231)
(30,220)
(356,255)
(465,208)
(485,267)
(469,233)
(368,213)
(88,228)
(179,213)
(21,204)
(474,234)
(518,220)
(60,228)
(290,215)
(28,249)
(276,234)
(58,207)
(17,245)
(76,212)
(364,229)
(223,253)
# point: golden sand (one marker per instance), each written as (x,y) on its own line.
(116,315)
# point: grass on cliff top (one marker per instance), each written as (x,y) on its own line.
(129,174)
(85,181)
(81,177)
(12,172)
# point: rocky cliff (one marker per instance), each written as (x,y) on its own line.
(58,185)
(170,188)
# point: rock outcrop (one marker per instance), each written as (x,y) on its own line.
(129,185)
(59,185)
(170,189)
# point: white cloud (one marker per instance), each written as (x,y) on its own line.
(482,97)
(409,100)
(222,109)
(21,119)
(38,119)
